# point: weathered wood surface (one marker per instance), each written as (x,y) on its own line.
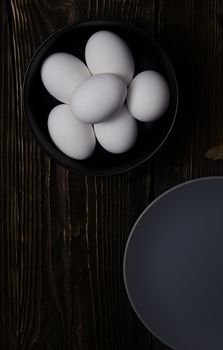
(63,235)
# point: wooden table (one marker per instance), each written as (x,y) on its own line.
(63,235)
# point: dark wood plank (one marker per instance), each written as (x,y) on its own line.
(23,174)
(8,297)
(63,235)
(192,33)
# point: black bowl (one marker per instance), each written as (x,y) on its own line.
(38,102)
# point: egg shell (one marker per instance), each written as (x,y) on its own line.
(106,52)
(97,97)
(61,73)
(73,138)
(118,133)
(148,96)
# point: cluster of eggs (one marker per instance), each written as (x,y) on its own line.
(101,100)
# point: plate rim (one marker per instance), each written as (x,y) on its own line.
(157,199)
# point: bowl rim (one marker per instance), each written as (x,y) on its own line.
(103,21)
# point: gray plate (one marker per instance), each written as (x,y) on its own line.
(173,266)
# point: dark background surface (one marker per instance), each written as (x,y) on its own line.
(63,235)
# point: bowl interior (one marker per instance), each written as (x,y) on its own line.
(38,102)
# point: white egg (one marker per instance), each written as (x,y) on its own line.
(106,52)
(118,133)
(148,96)
(61,73)
(97,97)
(73,138)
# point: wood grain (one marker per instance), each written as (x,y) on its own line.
(63,235)
(192,33)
